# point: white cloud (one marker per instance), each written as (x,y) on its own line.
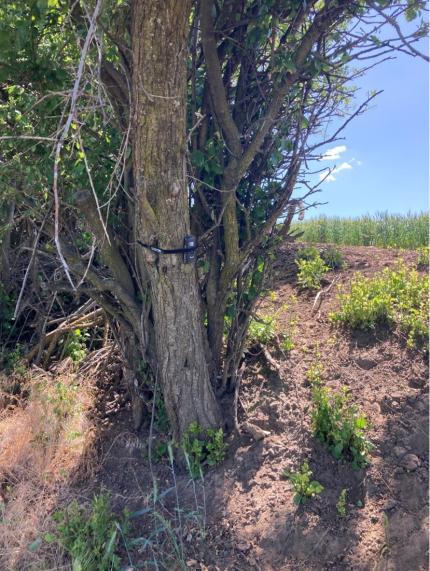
(342,167)
(331,178)
(334,153)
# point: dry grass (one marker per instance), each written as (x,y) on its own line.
(46,441)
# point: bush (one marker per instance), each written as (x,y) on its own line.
(91,539)
(423,257)
(338,424)
(308,253)
(393,297)
(333,258)
(303,486)
(311,273)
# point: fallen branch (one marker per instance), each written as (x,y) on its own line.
(91,319)
(320,295)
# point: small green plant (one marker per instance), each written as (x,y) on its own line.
(262,330)
(311,272)
(304,487)
(398,296)
(333,258)
(287,342)
(90,538)
(62,398)
(202,447)
(13,361)
(315,372)
(265,330)
(7,303)
(75,345)
(338,424)
(423,257)
(341,503)
(160,450)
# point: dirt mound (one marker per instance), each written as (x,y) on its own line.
(252,522)
(243,516)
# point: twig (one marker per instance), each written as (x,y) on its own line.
(64,133)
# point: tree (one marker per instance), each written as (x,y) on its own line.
(178,118)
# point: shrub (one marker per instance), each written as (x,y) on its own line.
(393,297)
(202,447)
(311,273)
(303,486)
(423,257)
(308,253)
(333,258)
(338,424)
(91,539)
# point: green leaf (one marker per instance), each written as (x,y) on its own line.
(34,545)
(198,158)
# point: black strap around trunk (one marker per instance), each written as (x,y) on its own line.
(158,250)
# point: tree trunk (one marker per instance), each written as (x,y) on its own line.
(159,43)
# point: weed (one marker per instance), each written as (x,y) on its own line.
(7,303)
(75,345)
(398,296)
(308,253)
(423,257)
(159,450)
(161,419)
(341,503)
(91,539)
(303,486)
(333,258)
(287,343)
(262,330)
(12,360)
(311,272)
(202,447)
(265,331)
(62,398)
(338,424)
(315,372)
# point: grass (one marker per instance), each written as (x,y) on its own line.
(48,443)
(408,231)
(45,440)
(90,537)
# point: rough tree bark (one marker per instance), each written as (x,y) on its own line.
(159,45)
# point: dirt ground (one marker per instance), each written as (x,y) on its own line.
(251,522)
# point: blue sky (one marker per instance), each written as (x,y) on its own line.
(383,158)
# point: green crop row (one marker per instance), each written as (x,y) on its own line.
(408,231)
